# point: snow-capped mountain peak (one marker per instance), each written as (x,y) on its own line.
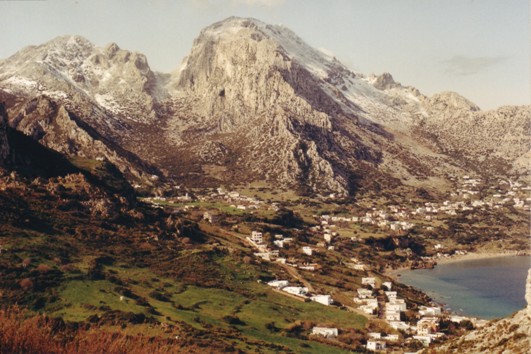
(371,100)
(117,80)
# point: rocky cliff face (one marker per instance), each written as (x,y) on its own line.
(53,126)
(20,153)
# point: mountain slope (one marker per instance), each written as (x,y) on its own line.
(20,153)
(496,140)
(55,127)
(82,100)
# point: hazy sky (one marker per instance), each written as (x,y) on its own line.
(479,48)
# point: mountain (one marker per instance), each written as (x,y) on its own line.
(263,105)
(495,140)
(116,82)
(22,154)
(53,125)
(254,102)
(58,93)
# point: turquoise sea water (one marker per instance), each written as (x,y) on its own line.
(485,288)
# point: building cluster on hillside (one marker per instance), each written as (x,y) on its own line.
(470,194)
(256,240)
(374,298)
(390,309)
(301,291)
(234,199)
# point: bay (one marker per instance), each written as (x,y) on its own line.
(485,288)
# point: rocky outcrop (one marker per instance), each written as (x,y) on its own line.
(53,126)
(20,153)
(385,82)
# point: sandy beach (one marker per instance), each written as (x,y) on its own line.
(474,256)
(393,273)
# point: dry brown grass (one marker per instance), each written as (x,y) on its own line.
(20,333)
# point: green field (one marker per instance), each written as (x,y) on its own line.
(200,307)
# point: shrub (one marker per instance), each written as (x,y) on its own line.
(26,262)
(26,284)
(40,334)
(159,296)
(233,320)
(44,268)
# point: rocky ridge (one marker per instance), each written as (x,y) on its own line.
(54,126)
(113,81)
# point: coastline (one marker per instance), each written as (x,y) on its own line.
(444,300)
(394,273)
(474,256)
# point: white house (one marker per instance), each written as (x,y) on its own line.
(387,284)
(392,315)
(359,266)
(375,345)
(307,267)
(307,250)
(458,319)
(391,337)
(328,238)
(364,293)
(393,307)
(368,281)
(323,299)
(296,290)
(279,243)
(430,311)
(372,302)
(399,325)
(400,302)
(374,335)
(325,332)
(207,216)
(279,284)
(391,295)
(256,237)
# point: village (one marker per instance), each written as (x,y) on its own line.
(376,297)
